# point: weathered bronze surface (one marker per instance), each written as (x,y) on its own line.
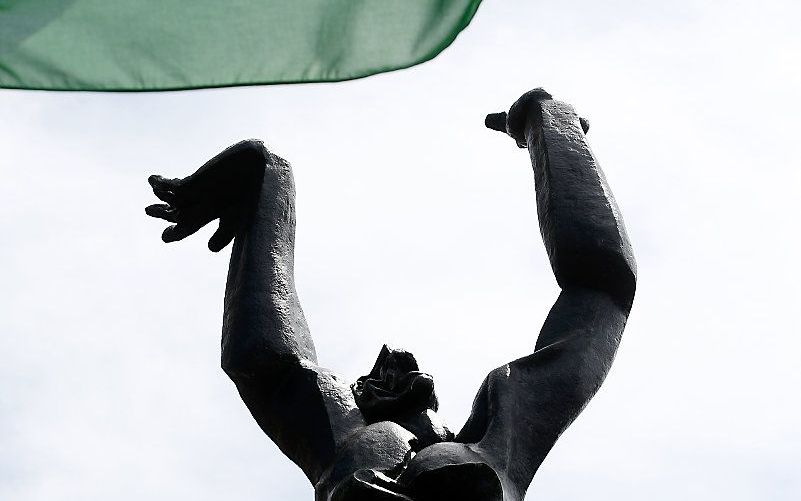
(379,438)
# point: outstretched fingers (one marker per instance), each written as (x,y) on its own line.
(164,188)
(227,230)
(223,236)
(163,211)
(189,214)
(178,232)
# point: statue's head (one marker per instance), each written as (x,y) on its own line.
(395,388)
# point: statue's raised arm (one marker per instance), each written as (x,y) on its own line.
(266,346)
(523,406)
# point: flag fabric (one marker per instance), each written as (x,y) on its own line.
(142,45)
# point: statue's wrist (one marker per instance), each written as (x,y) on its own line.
(525,113)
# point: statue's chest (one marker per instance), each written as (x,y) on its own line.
(377,464)
(379,447)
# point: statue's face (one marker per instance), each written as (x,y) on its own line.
(395,388)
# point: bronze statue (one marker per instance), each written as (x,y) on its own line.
(380,437)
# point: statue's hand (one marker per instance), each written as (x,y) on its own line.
(195,201)
(524,111)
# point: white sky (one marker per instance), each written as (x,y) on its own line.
(417,227)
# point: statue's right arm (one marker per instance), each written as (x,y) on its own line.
(525,405)
(267,349)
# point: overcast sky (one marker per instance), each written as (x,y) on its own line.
(417,227)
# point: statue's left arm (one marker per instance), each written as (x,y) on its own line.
(525,405)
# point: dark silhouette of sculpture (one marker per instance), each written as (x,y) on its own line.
(380,437)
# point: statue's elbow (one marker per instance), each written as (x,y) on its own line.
(619,278)
(613,272)
(238,360)
(626,288)
(236,368)
(248,364)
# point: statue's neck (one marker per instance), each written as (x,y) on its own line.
(427,426)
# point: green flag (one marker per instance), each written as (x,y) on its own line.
(138,45)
